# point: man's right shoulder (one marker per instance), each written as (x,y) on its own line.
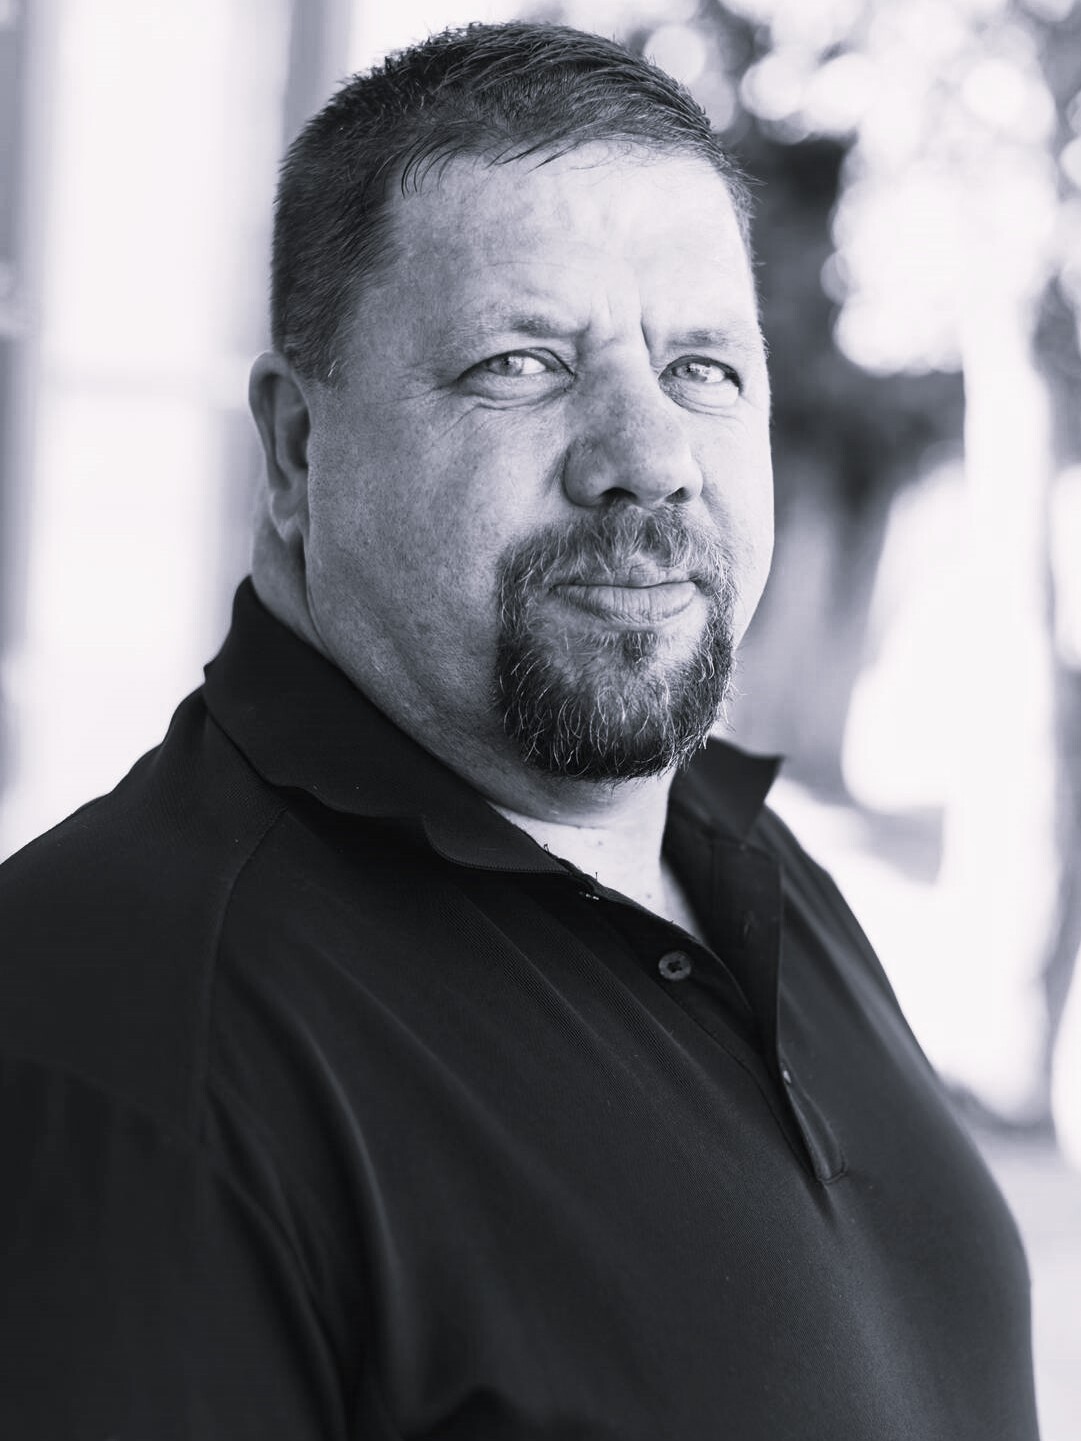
(109,922)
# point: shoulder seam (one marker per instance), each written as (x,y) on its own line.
(201,1067)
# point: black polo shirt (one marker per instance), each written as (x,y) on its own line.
(334,1106)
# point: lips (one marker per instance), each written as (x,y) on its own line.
(637,601)
(615,570)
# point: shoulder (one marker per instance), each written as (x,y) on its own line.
(732,785)
(814,902)
(110,920)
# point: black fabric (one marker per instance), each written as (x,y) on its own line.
(333,1106)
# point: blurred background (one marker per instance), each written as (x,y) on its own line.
(918,656)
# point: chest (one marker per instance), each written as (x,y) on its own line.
(593,1181)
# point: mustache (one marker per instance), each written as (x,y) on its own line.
(614,543)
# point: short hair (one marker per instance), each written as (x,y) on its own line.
(498,92)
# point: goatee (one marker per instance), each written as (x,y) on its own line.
(615,704)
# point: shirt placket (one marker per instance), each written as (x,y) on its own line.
(748,896)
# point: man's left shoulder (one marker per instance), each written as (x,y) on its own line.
(728,785)
(733,784)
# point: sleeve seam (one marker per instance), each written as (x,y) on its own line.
(201,1061)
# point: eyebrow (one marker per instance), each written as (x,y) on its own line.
(744,339)
(477,328)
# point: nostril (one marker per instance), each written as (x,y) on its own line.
(648,464)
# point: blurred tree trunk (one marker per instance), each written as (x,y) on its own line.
(806,647)
(998,872)
(1060,351)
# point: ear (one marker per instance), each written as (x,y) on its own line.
(283,419)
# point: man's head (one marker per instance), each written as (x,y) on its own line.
(501,92)
(516,421)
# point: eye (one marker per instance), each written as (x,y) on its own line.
(516,375)
(515,365)
(703,381)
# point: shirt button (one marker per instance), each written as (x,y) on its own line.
(786,1075)
(675,966)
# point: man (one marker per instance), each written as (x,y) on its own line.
(429,1039)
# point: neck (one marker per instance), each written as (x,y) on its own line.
(625,835)
(620,847)
(612,831)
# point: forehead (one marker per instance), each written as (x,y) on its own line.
(585,230)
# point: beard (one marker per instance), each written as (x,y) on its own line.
(611,704)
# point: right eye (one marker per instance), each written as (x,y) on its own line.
(514,365)
(516,375)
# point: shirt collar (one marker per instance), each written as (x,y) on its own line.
(304,726)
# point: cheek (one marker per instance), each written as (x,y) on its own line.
(437,555)
(740,500)
(753,563)
(760,522)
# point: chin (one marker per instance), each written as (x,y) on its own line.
(636,703)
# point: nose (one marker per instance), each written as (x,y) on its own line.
(631,446)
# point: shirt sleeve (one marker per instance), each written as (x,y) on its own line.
(143,1295)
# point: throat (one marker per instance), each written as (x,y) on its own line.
(624,858)
(669,900)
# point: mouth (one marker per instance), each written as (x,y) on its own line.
(636,601)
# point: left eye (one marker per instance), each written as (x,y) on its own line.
(698,375)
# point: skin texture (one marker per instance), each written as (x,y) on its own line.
(544,340)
